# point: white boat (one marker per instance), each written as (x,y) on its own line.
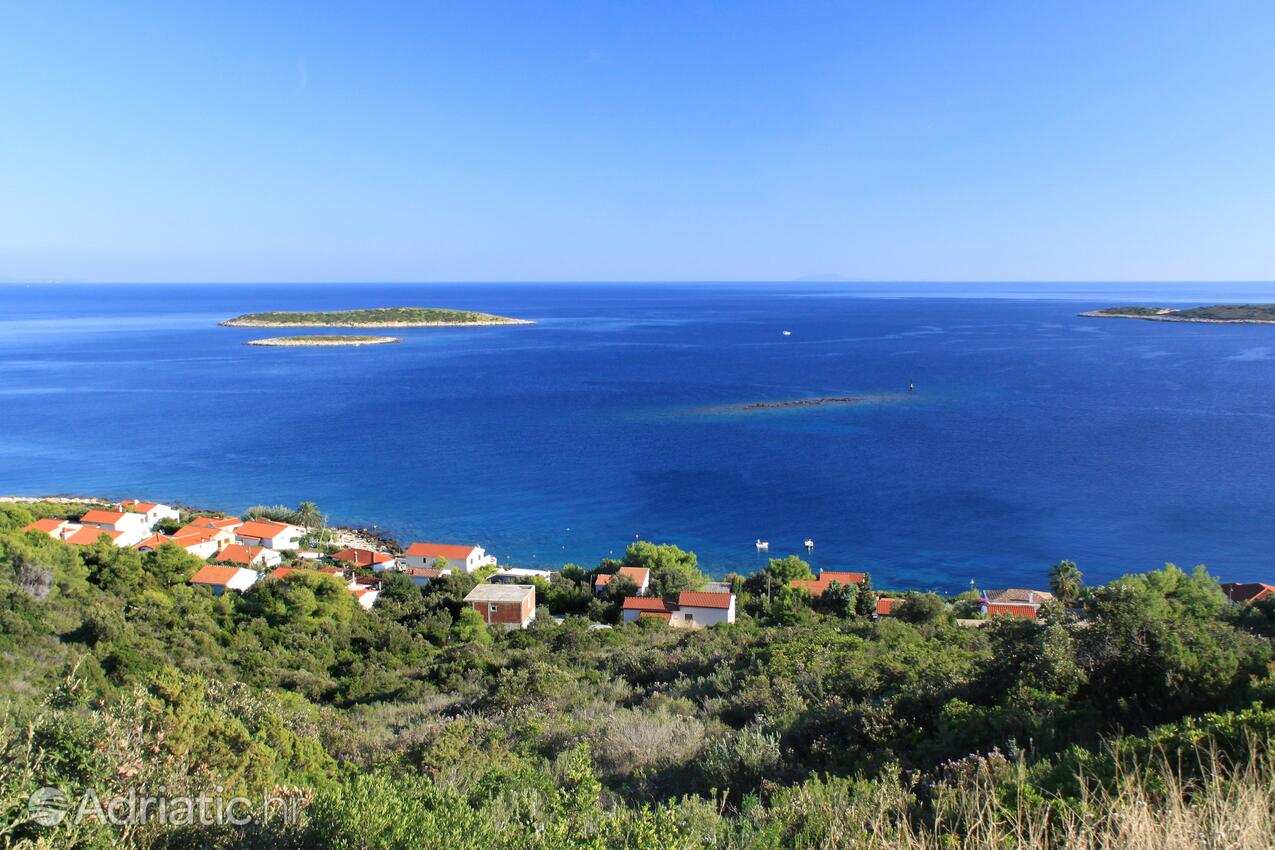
(810,544)
(787,333)
(762,545)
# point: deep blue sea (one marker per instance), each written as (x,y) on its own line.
(1033,435)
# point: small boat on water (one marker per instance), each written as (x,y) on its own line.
(810,544)
(787,333)
(762,545)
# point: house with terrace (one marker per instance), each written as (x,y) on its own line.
(269,534)
(465,559)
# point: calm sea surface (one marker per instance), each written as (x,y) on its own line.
(1033,435)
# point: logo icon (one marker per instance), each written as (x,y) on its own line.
(47,806)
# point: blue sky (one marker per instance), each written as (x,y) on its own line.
(638,141)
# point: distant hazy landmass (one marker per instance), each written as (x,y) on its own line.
(379,317)
(1253,314)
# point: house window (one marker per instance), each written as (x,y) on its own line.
(491,608)
(688,617)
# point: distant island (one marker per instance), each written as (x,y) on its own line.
(322,340)
(1250,314)
(379,317)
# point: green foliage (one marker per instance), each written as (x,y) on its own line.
(374,316)
(1066,582)
(413,724)
(672,570)
(786,570)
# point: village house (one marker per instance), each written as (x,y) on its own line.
(1240,593)
(1013,602)
(132,527)
(229,523)
(697,609)
(640,576)
(466,559)
(365,558)
(58,529)
(218,537)
(694,609)
(249,556)
(816,586)
(87,535)
(636,607)
(422,576)
(887,605)
(195,545)
(153,511)
(510,605)
(221,579)
(269,534)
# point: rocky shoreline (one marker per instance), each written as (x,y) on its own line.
(248,323)
(1167,316)
(343,537)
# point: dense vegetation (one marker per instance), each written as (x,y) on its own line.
(369,318)
(805,724)
(1216,313)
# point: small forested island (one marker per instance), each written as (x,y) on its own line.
(1253,314)
(378,317)
(322,340)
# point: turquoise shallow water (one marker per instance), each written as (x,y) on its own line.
(1034,435)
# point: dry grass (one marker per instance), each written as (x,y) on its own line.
(1155,808)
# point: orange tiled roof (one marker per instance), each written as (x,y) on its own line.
(239,554)
(701,599)
(153,542)
(439,550)
(645,603)
(132,505)
(48,526)
(89,535)
(1253,591)
(363,557)
(214,575)
(1005,609)
(213,522)
(885,607)
(261,528)
(817,586)
(103,517)
(639,575)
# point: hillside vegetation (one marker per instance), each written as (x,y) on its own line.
(371,318)
(1142,721)
(1247,313)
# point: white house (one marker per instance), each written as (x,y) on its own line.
(696,609)
(519,575)
(365,558)
(229,523)
(58,529)
(640,576)
(249,556)
(133,528)
(197,546)
(422,576)
(269,534)
(153,511)
(218,537)
(221,579)
(463,558)
(636,607)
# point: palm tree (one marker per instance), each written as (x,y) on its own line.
(308,514)
(1066,581)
